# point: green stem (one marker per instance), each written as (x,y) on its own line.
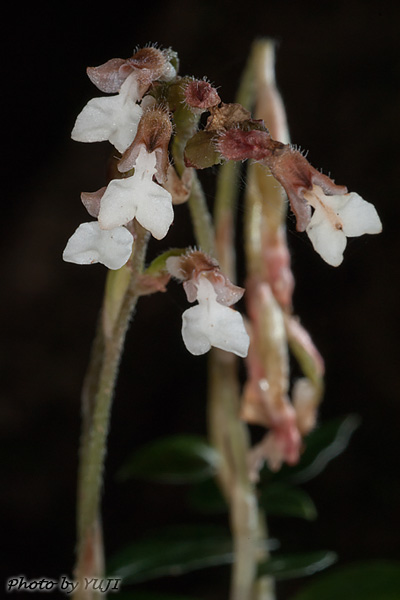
(230,436)
(201,218)
(227,432)
(97,402)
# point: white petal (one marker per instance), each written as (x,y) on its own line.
(227,330)
(112,118)
(130,88)
(212,324)
(154,210)
(90,244)
(328,241)
(336,217)
(118,204)
(195,330)
(359,217)
(138,197)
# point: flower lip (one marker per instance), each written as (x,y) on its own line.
(113,118)
(90,244)
(210,323)
(138,197)
(337,217)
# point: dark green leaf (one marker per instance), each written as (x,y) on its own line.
(173,551)
(200,151)
(369,580)
(291,566)
(322,445)
(175,459)
(206,497)
(280,499)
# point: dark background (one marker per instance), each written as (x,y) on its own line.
(338,71)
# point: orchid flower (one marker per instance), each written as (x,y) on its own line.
(113,118)
(138,197)
(211,322)
(337,217)
(90,244)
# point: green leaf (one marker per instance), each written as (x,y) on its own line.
(173,551)
(207,498)
(175,459)
(158,265)
(367,580)
(279,499)
(291,566)
(322,445)
(200,151)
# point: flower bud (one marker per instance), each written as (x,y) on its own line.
(200,95)
(237,144)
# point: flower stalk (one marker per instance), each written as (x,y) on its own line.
(228,432)
(118,307)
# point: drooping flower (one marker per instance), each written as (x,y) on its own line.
(337,217)
(337,213)
(138,197)
(211,322)
(90,244)
(286,163)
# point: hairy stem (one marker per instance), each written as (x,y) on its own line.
(227,432)
(230,436)
(201,218)
(97,402)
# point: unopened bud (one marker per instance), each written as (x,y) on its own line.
(152,64)
(200,95)
(236,144)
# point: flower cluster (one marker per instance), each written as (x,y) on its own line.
(212,322)
(141,132)
(150,111)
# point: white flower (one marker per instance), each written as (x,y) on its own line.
(212,324)
(113,118)
(138,197)
(90,244)
(338,217)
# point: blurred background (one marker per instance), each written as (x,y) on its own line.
(338,71)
